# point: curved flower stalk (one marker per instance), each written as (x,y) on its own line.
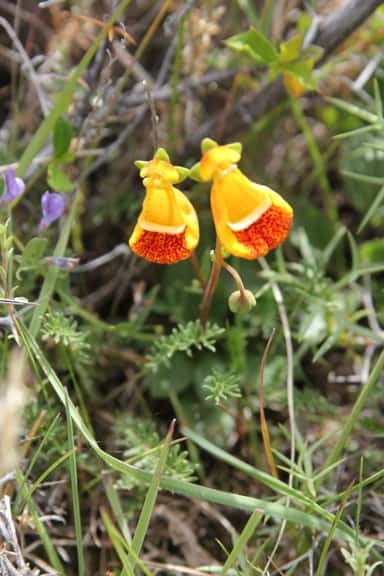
(250,219)
(167,229)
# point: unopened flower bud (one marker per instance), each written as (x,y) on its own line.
(241,301)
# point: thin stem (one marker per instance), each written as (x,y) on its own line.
(211,284)
(263,420)
(198,271)
(317,159)
(237,278)
(290,396)
(182,417)
(227,107)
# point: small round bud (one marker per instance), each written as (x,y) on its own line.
(241,302)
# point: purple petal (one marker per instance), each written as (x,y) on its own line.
(63,262)
(52,206)
(14,187)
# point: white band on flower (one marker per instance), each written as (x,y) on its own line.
(162,228)
(251,218)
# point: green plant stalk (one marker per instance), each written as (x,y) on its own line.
(372,209)
(247,532)
(39,526)
(356,411)
(276,510)
(119,543)
(266,16)
(268,480)
(45,475)
(49,283)
(359,497)
(150,499)
(331,533)
(317,159)
(114,501)
(183,420)
(75,492)
(175,79)
(36,454)
(79,393)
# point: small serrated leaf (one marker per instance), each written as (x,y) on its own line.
(33,252)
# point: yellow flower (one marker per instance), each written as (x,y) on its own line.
(250,219)
(167,229)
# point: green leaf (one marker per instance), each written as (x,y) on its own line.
(57,179)
(62,136)
(255,44)
(312,52)
(33,252)
(290,50)
(303,70)
(357,111)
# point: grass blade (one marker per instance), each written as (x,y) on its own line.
(150,499)
(75,492)
(39,526)
(245,535)
(274,509)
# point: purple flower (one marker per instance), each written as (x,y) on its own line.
(63,262)
(13,187)
(52,206)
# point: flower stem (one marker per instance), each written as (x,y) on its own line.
(211,284)
(198,271)
(237,278)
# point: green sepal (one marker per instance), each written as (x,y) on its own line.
(236,146)
(182,172)
(194,173)
(208,144)
(161,154)
(140,164)
(224,252)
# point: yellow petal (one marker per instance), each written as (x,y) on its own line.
(167,230)
(250,219)
(161,211)
(157,169)
(217,160)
